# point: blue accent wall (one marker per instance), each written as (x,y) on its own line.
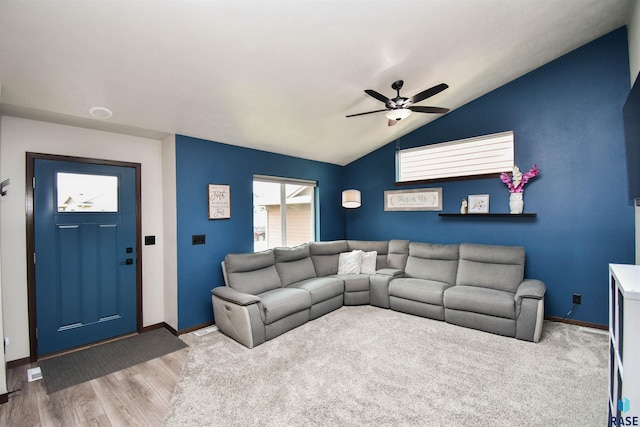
(567,118)
(199,163)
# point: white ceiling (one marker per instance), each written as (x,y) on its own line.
(275,75)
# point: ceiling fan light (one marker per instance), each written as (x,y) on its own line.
(398,114)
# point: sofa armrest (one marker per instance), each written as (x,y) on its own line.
(529,300)
(379,286)
(530,288)
(391,272)
(229,294)
(238,315)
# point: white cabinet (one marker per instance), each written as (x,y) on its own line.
(624,340)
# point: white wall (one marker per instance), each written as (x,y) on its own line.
(3,371)
(19,136)
(170,232)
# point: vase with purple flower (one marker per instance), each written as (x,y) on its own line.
(516,183)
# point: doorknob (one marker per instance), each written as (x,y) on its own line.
(128,261)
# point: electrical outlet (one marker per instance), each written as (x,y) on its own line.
(577,299)
(198,239)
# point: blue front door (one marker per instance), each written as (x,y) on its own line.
(85,253)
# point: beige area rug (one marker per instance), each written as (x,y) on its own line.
(370,366)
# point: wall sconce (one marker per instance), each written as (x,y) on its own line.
(351,199)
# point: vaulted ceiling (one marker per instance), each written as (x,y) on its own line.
(275,75)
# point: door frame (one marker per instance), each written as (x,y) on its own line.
(31,267)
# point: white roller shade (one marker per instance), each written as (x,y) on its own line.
(466,157)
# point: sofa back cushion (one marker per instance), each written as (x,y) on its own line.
(380,247)
(489,266)
(398,254)
(432,262)
(252,273)
(294,264)
(325,256)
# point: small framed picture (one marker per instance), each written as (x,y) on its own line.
(219,201)
(478,203)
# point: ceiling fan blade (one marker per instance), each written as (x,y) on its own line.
(392,122)
(376,95)
(368,112)
(428,93)
(434,110)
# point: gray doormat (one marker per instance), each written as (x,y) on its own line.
(84,365)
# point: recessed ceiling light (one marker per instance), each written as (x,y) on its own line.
(101,112)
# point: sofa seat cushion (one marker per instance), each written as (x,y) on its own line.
(354,282)
(321,288)
(421,290)
(280,303)
(481,300)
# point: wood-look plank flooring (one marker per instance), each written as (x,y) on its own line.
(136,396)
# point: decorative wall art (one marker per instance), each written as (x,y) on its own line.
(424,199)
(219,201)
(478,203)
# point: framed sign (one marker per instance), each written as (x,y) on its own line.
(424,199)
(219,201)
(478,203)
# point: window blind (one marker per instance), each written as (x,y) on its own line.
(466,157)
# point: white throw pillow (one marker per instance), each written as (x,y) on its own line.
(368,265)
(349,262)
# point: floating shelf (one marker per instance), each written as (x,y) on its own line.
(494,215)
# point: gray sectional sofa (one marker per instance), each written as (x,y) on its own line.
(477,286)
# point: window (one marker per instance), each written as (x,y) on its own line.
(86,193)
(466,157)
(283,212)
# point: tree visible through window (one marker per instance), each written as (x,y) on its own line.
(283,212)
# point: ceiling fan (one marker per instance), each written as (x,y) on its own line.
(399,108)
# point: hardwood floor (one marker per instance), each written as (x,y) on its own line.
(136,396)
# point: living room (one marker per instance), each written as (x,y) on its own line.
(566,118)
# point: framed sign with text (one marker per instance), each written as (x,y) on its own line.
(424,199)
(219,201)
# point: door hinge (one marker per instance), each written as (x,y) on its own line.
(34,257)
(36,333)
(33,183)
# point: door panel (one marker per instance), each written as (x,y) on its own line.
(86,289)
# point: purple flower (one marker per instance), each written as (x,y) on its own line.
(516,184)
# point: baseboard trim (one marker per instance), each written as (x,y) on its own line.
(170,328)
(577,322)
(194,328)
(18,362)
(164,325)
(153,327)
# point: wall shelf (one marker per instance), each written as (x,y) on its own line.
(485,215)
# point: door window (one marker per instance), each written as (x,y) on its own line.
(77,192)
